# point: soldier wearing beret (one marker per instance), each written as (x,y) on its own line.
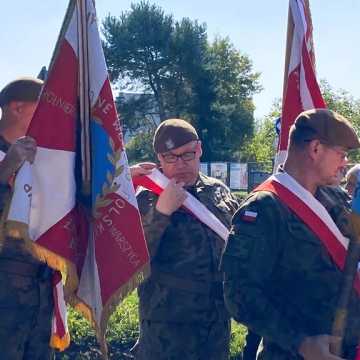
(26,304)
(182,311)
(280,278)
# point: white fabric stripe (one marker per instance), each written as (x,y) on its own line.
(59,293)
(53,183)
(250,213)
(301,11)
(61,304)
(21,200)
(299,19)
(2,155)
(195,206)
(298,36)
(97,65)
(89,286)
(305,196)
(72,32)
(305,96)
(295,54)
(126,189)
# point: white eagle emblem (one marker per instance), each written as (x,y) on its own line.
(169,144)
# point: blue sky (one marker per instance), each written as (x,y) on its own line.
(29,29)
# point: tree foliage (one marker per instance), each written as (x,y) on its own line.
(231,108)
(345,104)
(261,147)
(149,51)
(180,74)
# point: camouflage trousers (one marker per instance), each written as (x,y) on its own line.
(270,351)
(179,341)
(26,307)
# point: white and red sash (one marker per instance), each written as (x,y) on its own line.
(313,214)
(156,182)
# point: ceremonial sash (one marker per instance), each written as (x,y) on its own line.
(156,182)
(313,214)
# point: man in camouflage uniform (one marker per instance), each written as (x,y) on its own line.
(26,303)
(338,203)
(182,312)
(279,278)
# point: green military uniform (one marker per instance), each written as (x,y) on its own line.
(182,310)
(26,302)
(280,280)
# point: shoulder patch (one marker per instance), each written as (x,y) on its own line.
(249,216)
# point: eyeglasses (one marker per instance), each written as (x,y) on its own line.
(342,153)
(173,158)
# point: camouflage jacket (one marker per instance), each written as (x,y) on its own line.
(280,280)
(186,284)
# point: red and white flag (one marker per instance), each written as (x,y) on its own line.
(301,89)
(94,239)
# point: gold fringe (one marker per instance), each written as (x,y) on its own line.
(59,343)
(68,271)
(70,279)
(114,301)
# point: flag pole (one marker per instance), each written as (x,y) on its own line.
(289,41)
(85,110)
(84,97)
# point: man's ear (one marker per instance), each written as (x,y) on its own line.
(16,107)
(314,148)
(199,148)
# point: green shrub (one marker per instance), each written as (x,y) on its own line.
(122,334)
(240,195)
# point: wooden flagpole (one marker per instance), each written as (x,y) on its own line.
(84,99)
(85,115)
(289,41)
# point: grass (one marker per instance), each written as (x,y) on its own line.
(122,333)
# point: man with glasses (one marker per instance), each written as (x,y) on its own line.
(182,312)
(284,257)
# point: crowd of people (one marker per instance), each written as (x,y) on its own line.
(278,272)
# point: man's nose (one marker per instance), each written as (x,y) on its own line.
(180,162)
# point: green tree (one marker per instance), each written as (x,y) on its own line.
(231,109)
(147,50)
(261,146)
(140,148)
(211,85)
(345,104)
